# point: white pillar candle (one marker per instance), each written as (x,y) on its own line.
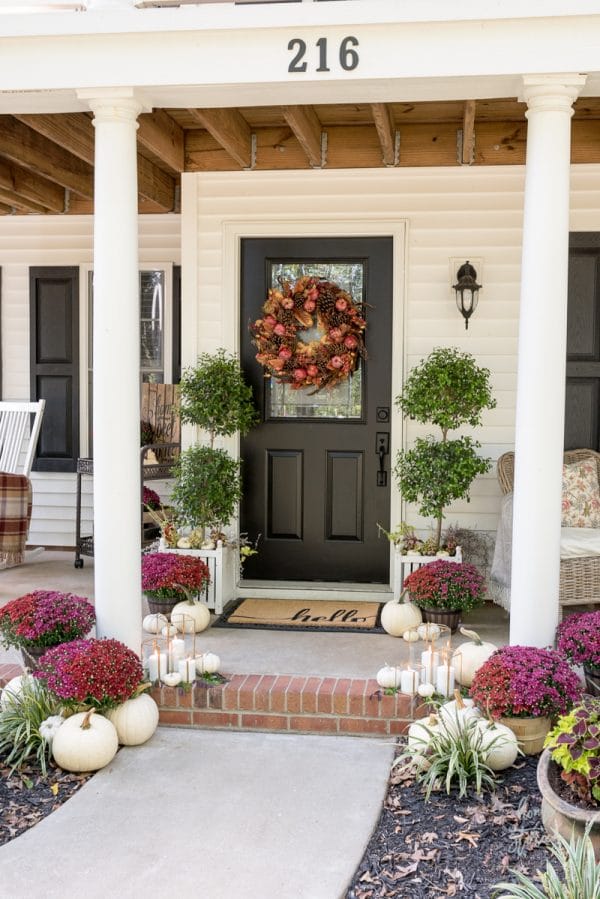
(187,669)
(444,682)
(176,652)
(157,665)
(409,681)
(430,661)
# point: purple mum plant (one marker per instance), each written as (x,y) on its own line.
(45,618)
(446,585)
(578,637)
(525,682)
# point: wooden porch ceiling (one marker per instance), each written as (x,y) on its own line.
(46,161)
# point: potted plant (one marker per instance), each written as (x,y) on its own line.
(170,578)
(215,397)
(578,637)
(569,774)
(44,618)
(447,389)
(444,589)
(526,687)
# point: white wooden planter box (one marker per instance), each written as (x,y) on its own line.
(405,565)
(221,563)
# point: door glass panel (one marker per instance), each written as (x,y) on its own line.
(152,325)
(345,399)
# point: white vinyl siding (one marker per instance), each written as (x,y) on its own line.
(451,215)
(58,240)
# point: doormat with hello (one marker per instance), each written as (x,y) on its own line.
(303,615)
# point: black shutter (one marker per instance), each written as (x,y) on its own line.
(54,363)
(176,324)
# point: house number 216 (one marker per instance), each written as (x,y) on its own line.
(348,56)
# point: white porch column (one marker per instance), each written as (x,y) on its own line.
(116,398)
(542,360)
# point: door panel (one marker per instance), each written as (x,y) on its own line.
(311,466)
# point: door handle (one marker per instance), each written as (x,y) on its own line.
(382,449)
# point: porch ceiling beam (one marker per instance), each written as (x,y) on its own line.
(6,210)
(10,198)
(230,129)
(31,187)
(382,118)
(34,151)
(74,133)
(468,139)
(304,122)
(163,137)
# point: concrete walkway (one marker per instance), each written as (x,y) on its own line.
(216,814)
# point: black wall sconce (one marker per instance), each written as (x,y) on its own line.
(467,291)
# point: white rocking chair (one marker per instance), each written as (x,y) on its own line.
(20,425)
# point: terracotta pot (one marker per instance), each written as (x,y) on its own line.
(530,732)
(561,817)
(448,617)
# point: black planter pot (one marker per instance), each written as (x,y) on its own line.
(448,617)
(32,655)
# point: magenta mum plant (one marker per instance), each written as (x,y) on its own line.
(578,637)
(94,673)
(525,682)
(150,498)
(45,618)
(457,586)
(165,575)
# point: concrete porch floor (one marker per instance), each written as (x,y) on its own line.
(340,655)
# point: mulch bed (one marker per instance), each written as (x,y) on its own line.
(452,847)
(26,796)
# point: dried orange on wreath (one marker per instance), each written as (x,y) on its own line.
(292,309)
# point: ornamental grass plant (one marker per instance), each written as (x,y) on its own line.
(457,586)
(525,682)
(28,721)
(45,618)
(173,576)
(98,674)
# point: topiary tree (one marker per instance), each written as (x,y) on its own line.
(447,389)
(214,396)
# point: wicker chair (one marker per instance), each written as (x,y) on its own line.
(579,578)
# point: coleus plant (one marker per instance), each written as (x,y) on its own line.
(575,745)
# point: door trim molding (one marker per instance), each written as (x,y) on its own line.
(235,228)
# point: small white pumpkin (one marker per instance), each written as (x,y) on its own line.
(425,690)
(152,624)
(85,742)
(398,616)
(410,636)
(428,631)
(184,543)
(388,676)
(171,679)
(169,630)
(135,720)
(500,744)
(191,617)
(13,688)
(458,711)
(208,663)
(470,656)
(421,731)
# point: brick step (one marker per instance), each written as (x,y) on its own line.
(282,703)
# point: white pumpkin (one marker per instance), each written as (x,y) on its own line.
(171,679)
(458,712)
(428,631)
(398,616)
(468,657)
(499,743)
(420,732)
(426,690)
(388,676)
(85,742)
(152,624)
(208,663)
(13,688)
(191,617)
(169,630)
(135,720)
(410,636)
(184,543)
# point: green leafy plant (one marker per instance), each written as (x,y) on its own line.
(577,877)
(447,389)
(214,395)
(28,715)
(575,745)
(451,753)
(207,487)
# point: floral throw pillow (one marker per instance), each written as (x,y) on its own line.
(580,495)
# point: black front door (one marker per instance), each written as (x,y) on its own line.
(315,483)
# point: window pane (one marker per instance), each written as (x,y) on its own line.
(345,399)
(152,325)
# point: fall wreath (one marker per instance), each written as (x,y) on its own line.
(291,309)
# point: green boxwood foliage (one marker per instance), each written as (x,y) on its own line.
(207,487)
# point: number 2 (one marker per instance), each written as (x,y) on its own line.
(296,65)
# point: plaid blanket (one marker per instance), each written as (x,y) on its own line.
(15,515)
